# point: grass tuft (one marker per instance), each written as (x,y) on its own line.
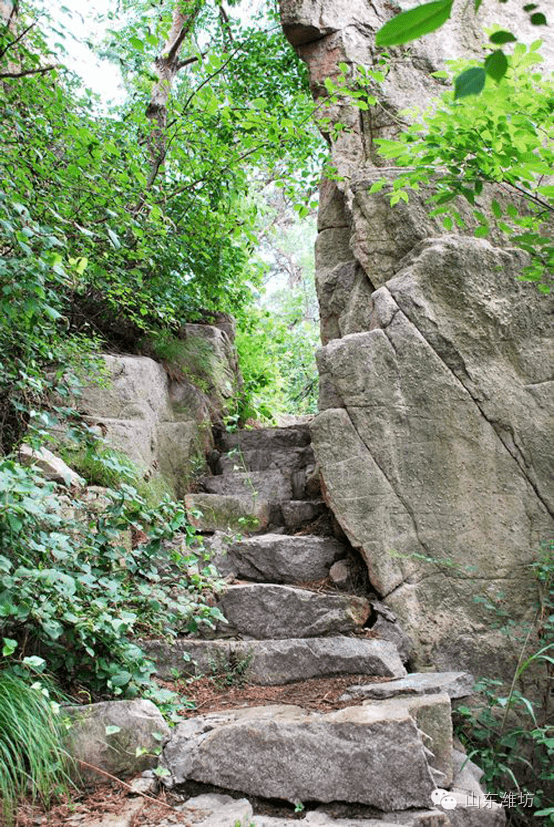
(33,761)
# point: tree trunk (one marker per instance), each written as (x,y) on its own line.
(167,66)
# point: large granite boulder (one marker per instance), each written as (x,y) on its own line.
(161,420)
(120,737)
(435,439)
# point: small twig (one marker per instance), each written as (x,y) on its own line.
(130,788)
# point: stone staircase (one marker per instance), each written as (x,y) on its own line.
(299,606)
(286,615)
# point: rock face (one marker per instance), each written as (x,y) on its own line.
(164,425)
(435,439)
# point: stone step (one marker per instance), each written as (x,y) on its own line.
(288,460)
(267,440)
(276,558)
(275,611)
(296,513)
(224,810)
(376,753)
(456,685)
(235,513)
(271,486)
(272,662)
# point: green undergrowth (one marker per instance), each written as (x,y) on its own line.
(80,585)
(33,762)
(509,732)
(100,465)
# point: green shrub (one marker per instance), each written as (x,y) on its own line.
(75,593)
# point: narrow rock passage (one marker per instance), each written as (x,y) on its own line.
(299,607)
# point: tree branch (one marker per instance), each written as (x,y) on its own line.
(16,40)
(29,72)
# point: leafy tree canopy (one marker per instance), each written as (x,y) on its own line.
(113,223)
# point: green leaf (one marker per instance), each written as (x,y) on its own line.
(52,313)
(477,5)
(113,238)
(496,65)
(9,646)
(377,186)
(120,679)
(502,37)
(538,19)
(111,729)
(36,662)
(414,23)
(470,82)
(496,209)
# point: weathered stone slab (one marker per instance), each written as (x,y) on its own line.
(279,662)
(285,558)
(219,809)
(288,460)
(457,685)
(53,467)
(138,723)
(360,754)
(434,719)
(273,611)
(212,512)
(270,485)
(267,440)
(409,819)
(298,512)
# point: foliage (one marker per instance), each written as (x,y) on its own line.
(414,23)
(33,762)
(75,589)
(510,734)
(277,363)
(100,465)
(276,343)
(89,240)
(114,227)
(502,138)
(230,669)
